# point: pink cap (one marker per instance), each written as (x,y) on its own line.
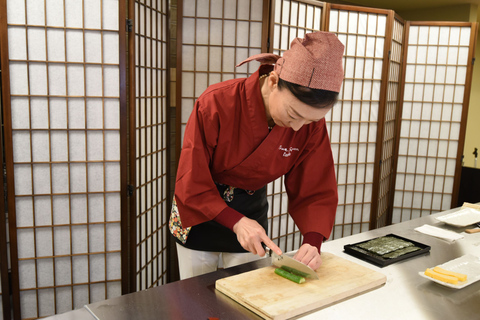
(314,61)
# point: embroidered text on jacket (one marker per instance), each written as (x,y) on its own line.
(287,152)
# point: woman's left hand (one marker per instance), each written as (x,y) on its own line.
(309,255)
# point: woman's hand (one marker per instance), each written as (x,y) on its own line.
(309,255)
(251,234)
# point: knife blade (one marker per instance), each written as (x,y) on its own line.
(284,260)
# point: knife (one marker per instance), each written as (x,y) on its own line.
(284,260)
(474,230)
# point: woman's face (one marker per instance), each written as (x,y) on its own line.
(287,111)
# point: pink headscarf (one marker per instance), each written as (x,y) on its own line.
(314,61)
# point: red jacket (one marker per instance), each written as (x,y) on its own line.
(227,140)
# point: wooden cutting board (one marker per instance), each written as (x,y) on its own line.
(273,297)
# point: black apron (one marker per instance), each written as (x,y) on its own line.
(212,236)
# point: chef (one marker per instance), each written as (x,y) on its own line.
(243,134)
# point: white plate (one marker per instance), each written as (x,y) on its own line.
(467,264)
(461,218)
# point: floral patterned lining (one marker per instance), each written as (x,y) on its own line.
(175,224)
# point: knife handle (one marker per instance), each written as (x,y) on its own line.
(472,230)
(268,251)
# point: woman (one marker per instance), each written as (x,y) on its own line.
(245,133)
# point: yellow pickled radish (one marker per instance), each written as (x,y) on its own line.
(459,276)
(442,277)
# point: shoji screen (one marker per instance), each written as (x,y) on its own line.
(151,143)
(382,207)
(291,19)
(437,85)
(62,141)
(4,282)
(215,36)
(353,121)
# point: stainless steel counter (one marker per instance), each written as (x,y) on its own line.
(405,295)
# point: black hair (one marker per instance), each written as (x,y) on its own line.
(317,98)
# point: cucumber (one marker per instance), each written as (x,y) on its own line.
(289,276)
(295,271)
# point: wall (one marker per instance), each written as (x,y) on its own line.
(472,140)
(447,13)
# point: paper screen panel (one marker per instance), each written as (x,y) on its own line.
(352,123)
(294,19)
(390,123)
(435,79)
(64,71)
(291,19)
(151,142)
(217,35)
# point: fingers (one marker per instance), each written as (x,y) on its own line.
(309,255)
(269,243)
(250,235)
(315,263)
(258,249)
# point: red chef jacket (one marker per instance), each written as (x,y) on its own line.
(227,140)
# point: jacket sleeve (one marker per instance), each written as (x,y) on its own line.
(312,187)
(196,194)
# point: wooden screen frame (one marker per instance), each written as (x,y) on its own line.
(4,274)
(7,145)
(128,174)
(5,96)
(465,104)
(390,17)
(375,215)
(400,93)
(5,282)
(9,162)
(135,267)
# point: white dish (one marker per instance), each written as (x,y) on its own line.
(461,218)
(467,264)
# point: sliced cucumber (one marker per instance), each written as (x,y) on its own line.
(289,276)
(295,271)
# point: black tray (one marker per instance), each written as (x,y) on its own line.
(382,262)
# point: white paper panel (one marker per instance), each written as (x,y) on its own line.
(48,96)
(151,135)
(352,122)
(435,84)
(80,295)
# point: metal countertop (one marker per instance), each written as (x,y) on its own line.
(405,295)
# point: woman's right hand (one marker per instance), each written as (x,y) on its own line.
(251,234)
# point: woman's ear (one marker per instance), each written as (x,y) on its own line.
(273,80)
